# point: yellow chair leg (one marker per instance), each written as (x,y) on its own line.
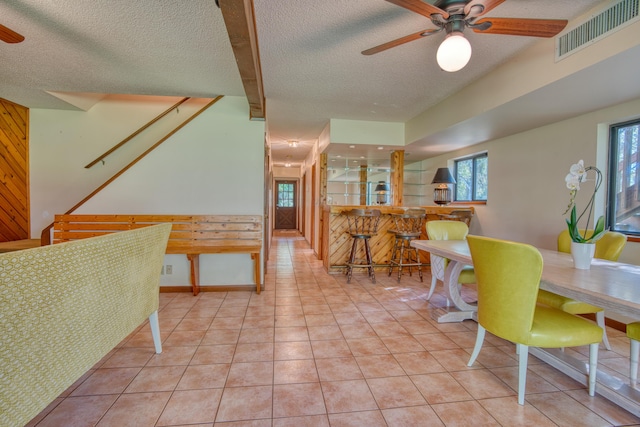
(478,346)
(633,371)
(600,322)
(593,363)
(523,358)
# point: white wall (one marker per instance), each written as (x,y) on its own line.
(212,166)
(527,194)
(62,142)
(285,173)
(366,132)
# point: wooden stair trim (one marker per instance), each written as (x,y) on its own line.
(136,133)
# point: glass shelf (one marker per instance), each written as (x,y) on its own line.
(344,183)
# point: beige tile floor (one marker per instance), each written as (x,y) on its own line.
(312,350)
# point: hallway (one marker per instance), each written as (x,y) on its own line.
(312,350)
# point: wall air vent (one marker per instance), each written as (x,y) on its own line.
(600,25)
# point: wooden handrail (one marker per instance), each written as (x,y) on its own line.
(136,133)
(45,236)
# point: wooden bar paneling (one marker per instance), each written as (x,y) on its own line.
(339,241)
(322,246)
(397,177)
(363,184)
(14,171)
(323,180)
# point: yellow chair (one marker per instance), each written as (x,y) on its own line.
(447,230)
(633,332)
(508,276)
(609,247)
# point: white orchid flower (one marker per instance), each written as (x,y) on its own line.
(573,182)
(578,170)
(577,174)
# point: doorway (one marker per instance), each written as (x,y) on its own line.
(286,206)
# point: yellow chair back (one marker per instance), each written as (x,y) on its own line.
(508,276)
(447,230)
(609,246)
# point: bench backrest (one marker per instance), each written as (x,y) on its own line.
(188,232)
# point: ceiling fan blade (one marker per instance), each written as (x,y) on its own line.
(7,35)
(401,40)
(418,6)
(521,26)
(481,7)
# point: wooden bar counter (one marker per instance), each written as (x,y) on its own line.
(336,241)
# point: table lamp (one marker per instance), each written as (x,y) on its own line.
(381,189)
(442,193)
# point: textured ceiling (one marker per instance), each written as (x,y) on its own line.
(143,47)
(310,53)
(313,69)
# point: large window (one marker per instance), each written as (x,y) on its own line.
(470,174)
(624,192)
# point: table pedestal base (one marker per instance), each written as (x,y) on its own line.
(608,386)
(451,314)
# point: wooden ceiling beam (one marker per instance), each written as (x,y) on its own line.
(240,20)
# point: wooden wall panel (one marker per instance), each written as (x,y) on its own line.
(397,178)
(14,171)
(339,242)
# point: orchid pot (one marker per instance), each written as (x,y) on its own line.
(582,254)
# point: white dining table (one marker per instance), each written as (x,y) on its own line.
(457,251)
(611,285)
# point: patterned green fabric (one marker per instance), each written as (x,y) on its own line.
(64,307)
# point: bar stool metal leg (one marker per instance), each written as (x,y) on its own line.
(417,261)
(352,259)
(393,256)
(404,256)
(367,250)
(401,242)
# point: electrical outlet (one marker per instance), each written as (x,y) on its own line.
(169,269)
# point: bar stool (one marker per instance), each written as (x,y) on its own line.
(408,227)
(464,216)
(363,224)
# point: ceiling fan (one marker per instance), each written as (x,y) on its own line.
(7,35)
(453,16)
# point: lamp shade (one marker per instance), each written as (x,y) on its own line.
(382,186)
(443,176)
(454,52)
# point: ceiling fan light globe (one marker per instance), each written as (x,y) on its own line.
(454,53)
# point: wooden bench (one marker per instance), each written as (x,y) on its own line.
(191,235)
(19,245)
